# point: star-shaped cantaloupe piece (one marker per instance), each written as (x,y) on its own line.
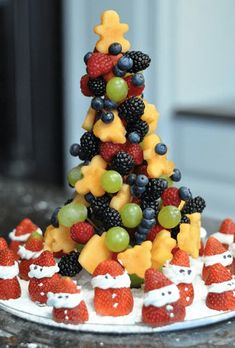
(189,236)
(162,247)
(113,131)
(91,181)
(89,119)
(111,30)
(150,116)
(157,165)
(80,199)
(58,239)
(121,198)
(137,260)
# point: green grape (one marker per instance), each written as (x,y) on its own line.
(136,281)
(117,239)
(74,175)
(169,216)
(170,183)
(131,215)
(72,213)
(116,89)
(111,181)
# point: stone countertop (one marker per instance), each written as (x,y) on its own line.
(20,199)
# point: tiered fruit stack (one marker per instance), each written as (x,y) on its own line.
(125,205)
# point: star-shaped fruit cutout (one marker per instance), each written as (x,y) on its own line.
(111,30)
(189,236)
(162,247)
(150,116)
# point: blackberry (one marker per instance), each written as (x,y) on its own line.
(184,220)
(131,109)
(140,60)
(154,189)
(122,162)
(194,205)
(140,127)
(111,218)
(69,265)
(97,86)
(99,205)
(89,146)
(146,203)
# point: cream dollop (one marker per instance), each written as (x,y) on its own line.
(9,272)
(23,237)
(178,274)
(63,300)
(203,233)
(161,297)
(28,254)
(106,281)
(232,249)
(224,259)
(223,238)
(42,271)
(219,288)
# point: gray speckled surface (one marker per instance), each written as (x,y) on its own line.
(17,200)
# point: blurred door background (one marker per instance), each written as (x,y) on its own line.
(191,80)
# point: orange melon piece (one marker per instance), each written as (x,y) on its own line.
(151,116)
(162,247)
(58,239)
(137,260)
(80,199)
(189,236)
(94,252)
(121,198)
(89,120)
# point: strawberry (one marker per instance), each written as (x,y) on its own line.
(108,150)
(136,152)
(143,170)
(81,232)
(83,85)
(227,226)
(153,232)
(9,289)
(99,64)
(133,91)
(171,197)
(108,76)
(3,244)
(14,246)
(7,257)
(153,278)
(76,315)
(180,258)
(38,288)
(186,293)
(218,274)
(25,226)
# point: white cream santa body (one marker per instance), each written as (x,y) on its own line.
(224,259)
(161,297)
(223,238)
(39,272)
(178,274)
(28,254)
(23,237)
(9,272)
(219,288)
(64,300)
(107,281)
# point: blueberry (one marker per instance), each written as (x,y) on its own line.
(149,213)
(54,220)
(161,149)
(142,180)
(148,223)
(134,191)
(97,103)
(115,48)
(134,138)
(131,179)
(176,176)
(143,230)
(109,104)
(185,193)
(89,197)
(138,80)
(107,117)
(139,189)
(87,56)
(74,150)
(118,72)
(125,63)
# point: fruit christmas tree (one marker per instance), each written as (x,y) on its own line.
(125,205)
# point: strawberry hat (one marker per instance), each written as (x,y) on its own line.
(227,226)
(109,267)
(35,242)
(213,247)
(218,274)
(7,257)
(46,259)
(180,258)
(154,279)
(3,244)
(66,285)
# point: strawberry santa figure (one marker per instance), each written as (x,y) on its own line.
(215,252)
(113,295)
(9,284)
(221,289)
(43,274)
(178,270)
(226,233)
(28,252)
(162,304)
(67,301)
(3,243)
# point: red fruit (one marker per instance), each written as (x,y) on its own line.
(7,257)
(9,289)
(221,302)
(133,91)
(108,76)
(153,232)
(136,152)
(99,64)
(116,58)
(108,150)
(213,247)
(38,288)
(25,226)
(201,250)
(3,244)
(46,258)
(109,266)
(180,258)
(81,232)
(83,85)
(186,294)
(171,197)
(14,246)
(76,315)
(227,226)
(218,274)
(143,170)
(154,279)
(24,268)
(34,243)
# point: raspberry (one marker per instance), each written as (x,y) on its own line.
(171,197)
(136,152)
(133,91)
(81,232)
(142,170)
(153,232)
(99,64)
(84,87)
(108,150)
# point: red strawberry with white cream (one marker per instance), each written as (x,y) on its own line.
(221,289)
(9,284)
(67,301)
(226,232)
(215,252)
(3,243)
(162,304)
(178,270)
(43,274)
(113,295)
